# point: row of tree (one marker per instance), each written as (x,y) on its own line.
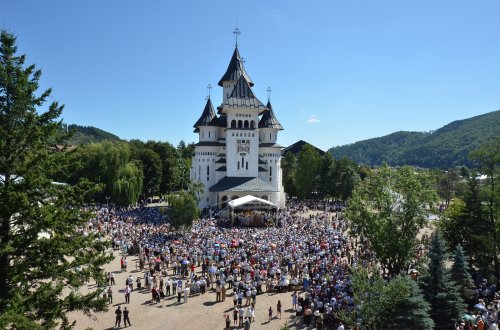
(310,175)
(128,171)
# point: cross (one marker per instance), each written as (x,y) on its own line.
(209,87)
(243,61)
(268,90)
(236,33)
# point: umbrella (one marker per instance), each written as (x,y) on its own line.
(468,317)
(216,244)
(480,307)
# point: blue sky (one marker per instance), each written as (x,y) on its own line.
(340,71)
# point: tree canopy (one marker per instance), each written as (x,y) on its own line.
(388,204)
(44,259)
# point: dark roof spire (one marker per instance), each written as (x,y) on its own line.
(235,69)
(206,117)
(268,119)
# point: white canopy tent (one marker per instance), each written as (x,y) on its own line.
(250,200)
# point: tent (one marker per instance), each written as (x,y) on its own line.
(250,200)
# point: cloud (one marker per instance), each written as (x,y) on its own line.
(313,119)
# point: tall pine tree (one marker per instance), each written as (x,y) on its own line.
(439,289)
(460,274)
(43,257)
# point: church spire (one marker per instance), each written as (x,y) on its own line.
(206,117)
(268,119)
(236,67)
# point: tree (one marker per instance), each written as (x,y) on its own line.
(127,184)
(460,274)
(326,181)
(43,257)
(391,204)
(306,173)
(345,177)
(289,164)
(183,209)
(438,288)
(397,304)
(150,164)
(488,157)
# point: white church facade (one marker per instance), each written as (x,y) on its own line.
(237,153)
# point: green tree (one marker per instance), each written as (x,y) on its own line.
(389,204)
(326,181)
(345,177)
(439,289)
(306,173)
(397,304)
(150,164)
(488,157)
(289,164)
(461,275)
(44,259)
(127,184)
(183,209)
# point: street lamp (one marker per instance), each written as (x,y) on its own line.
(107,202)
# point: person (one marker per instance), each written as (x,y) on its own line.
(218,291)
(125,317)
(235,316)
(167,287)
(294,300)
(127,294)
(130,282)
(118,320)
(112,278)
(278,308)
(138,282)
(228,321)
(223,293)
(110,295)
(241,315)
(341,326)
(270,311)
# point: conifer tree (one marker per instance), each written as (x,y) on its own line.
(44,259)
(439,289)
(460,274)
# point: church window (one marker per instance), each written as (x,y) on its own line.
(252,124)
(270,171)
(208,134)
(246,124)
(208,169)
(238,165)
(233,123)
(240,124)
(246,165)
(202,134)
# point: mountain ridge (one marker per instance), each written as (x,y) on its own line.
(446,147)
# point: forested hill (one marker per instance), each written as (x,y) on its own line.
(88,134)
(444,148)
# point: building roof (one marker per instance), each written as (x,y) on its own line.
(235,70)
(242,184)
(221,161)
(242,97)
(297,147)
(209,144)
(270,145)
(268,119)
(221,169)
(206,117)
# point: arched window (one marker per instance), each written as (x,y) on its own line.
(233,123)
(246,124)
(252,124)
(240,124)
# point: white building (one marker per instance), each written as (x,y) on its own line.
(237,153)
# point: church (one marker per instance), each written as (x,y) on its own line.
(237,154)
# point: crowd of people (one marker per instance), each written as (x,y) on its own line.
(309,255)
